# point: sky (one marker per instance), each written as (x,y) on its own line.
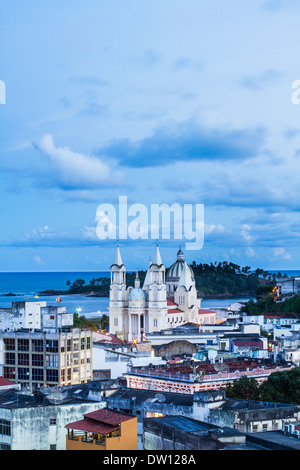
(164,102)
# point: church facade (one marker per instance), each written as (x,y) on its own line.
(167,298)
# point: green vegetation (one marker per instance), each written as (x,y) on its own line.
(100,286)
(268,304)
(92,324)
(225,278)
(280,387)
(214,279)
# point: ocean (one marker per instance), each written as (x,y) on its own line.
(26,285)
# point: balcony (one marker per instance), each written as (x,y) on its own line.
(88,440)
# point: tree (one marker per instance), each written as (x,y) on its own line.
(243,388)
(282,387)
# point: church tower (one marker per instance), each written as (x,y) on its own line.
(117,296)
(155,289)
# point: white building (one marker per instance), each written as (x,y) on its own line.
(26,423)
(167,298)
(289,286)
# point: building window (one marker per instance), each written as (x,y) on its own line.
(52,375)
(52,346)
(52,421)
(23,359)
(37,359)
(9,344)
(10,358)
(9,373)
(5,427)
(23,373)
(52,360)
(23,344)
(37,345)
(4,447)
(38,375)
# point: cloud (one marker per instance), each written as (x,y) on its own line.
(149,57)
(277,5)
(38,260)
(281,253)
(262,80)
(250,252)
(185,141)
(182,63)
(245,233)
(72,170)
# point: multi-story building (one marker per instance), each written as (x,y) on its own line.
(48,352)
(103,430)
(36,421)
(199,377)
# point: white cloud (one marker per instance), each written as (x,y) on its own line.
(281,253)
(245,233)
(72,170)
(250,252)
(38,260)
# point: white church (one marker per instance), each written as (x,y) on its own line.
(167,299)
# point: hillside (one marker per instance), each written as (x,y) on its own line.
(214,279)
(268,305)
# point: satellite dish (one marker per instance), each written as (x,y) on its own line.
(25,391)
(55,395)
(45,390)
(221,367)
(160,397)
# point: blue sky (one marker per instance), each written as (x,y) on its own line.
(162,101)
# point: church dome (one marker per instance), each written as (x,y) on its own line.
(174,271)
(137,294)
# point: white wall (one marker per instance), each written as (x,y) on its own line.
(31,428)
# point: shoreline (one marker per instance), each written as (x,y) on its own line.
(53,293)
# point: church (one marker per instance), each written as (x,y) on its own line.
(167,298)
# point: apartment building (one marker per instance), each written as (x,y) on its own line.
(48,351)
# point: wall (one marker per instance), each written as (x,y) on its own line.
(31,428)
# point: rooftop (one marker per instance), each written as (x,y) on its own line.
(102,421)
(152,396)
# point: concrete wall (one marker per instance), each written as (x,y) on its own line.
(161,437)
(31,429)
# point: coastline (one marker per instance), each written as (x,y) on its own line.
(53,293)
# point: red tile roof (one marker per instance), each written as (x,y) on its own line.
(202,311)
(170,302)
(4,382)
(101,421)
(90,425)
(108,416)
(175,310)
